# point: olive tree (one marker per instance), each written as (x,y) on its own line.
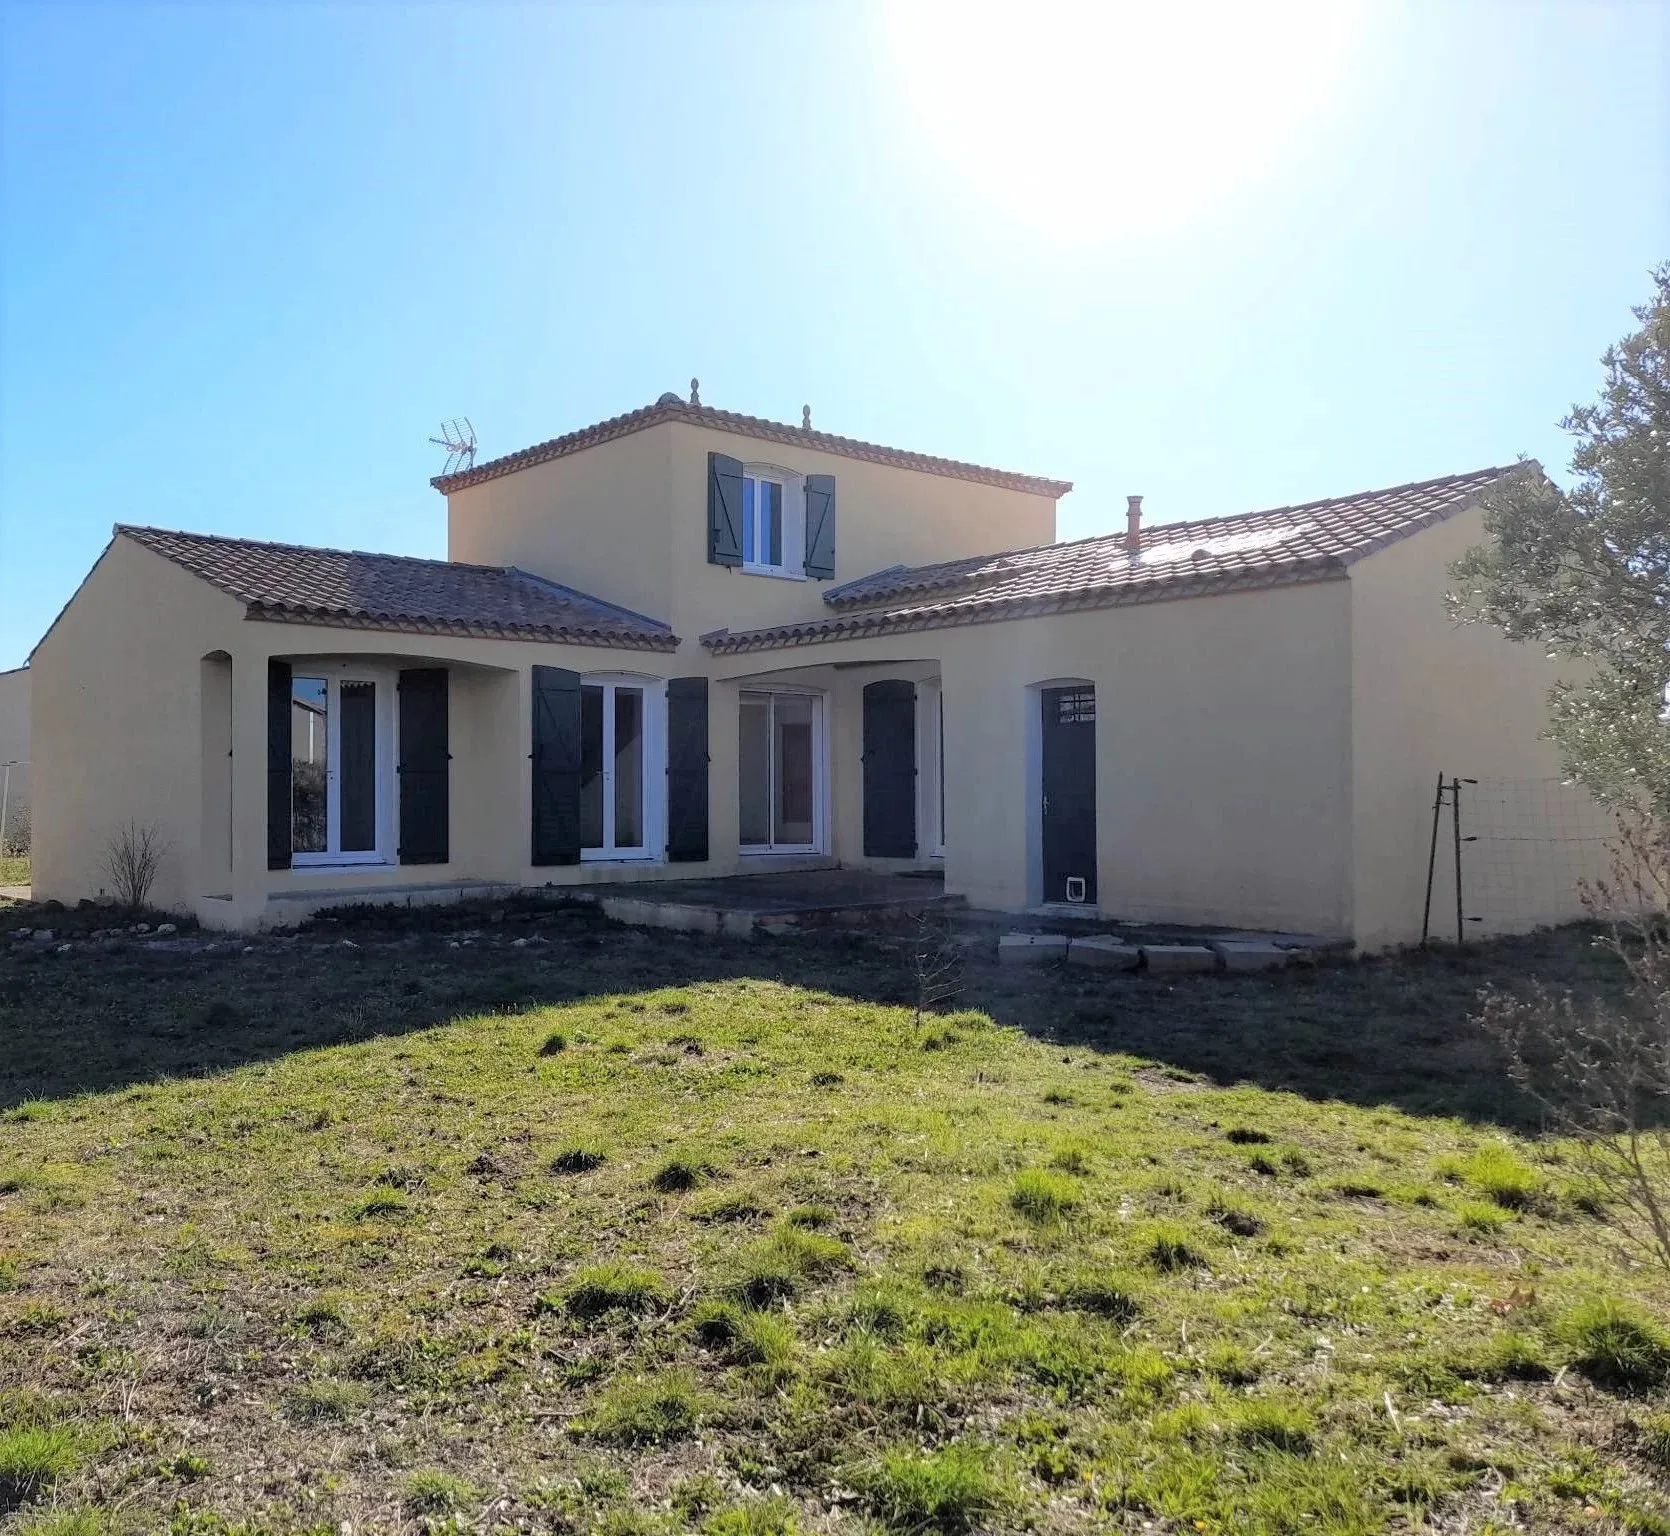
(1586,572)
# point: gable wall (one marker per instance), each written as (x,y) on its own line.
(1431,697)
(116,721)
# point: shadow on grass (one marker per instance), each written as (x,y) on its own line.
(1393,1031)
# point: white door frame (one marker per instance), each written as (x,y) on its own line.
(653,809)
(385,749)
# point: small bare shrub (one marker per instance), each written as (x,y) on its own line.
(15,842)
(935,961)
(1601,1072)
(132,858)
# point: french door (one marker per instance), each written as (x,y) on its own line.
(615,753)
(338,744)
(780,772)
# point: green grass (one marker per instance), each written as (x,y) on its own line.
(605,1288)
(33,1457)
(14,869)
(952,1489)
(1617,1345)
(312,1237)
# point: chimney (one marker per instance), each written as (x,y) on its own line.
(1133,526)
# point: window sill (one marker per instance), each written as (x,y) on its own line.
(591,856)
(775,850)
(782,573)
(340,861)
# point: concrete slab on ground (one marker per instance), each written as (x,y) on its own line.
(1104,953)
(782,902)
(1250,955)
(1178,958)
(1031,948)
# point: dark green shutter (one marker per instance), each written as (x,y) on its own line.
(724,510)
(687,770)
(556,766)
(425,779)
(820,527)
(278,765)
(890,770)
(356,766)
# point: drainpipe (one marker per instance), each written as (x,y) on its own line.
(1133,526)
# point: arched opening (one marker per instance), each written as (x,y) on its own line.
(214,840)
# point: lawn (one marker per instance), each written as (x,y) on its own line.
(384,1230)
(14,870)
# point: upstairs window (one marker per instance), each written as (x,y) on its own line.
(770,521)
(773,522)
(762,521)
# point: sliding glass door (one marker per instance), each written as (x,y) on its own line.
(780,772)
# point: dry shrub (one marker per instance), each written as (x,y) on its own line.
(1601,1069)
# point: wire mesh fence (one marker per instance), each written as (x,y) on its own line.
(1526,851)
(15,820)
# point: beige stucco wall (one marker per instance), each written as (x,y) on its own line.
(627,521)
(595,520)
(151,706)
(1264,758)
(116,716)
(1222,750)
(1432,697)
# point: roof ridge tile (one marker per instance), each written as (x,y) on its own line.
(750,426)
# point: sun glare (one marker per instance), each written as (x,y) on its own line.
(1087,120)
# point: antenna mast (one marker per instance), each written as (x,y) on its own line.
(458,438)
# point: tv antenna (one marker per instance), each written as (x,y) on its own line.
(458,438)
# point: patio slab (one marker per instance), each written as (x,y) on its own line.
(742,906)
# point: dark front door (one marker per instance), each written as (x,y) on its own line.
(1069,794)
(890,770)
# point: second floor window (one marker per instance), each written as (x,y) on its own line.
(773,522)
(762,522)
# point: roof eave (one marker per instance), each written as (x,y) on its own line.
(871,625)
(403,624)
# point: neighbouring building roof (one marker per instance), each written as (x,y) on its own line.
(674,409)
(349,589)
(1315,541)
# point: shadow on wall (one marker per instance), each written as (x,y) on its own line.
(1387,1031)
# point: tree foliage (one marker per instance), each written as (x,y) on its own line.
(1587,572)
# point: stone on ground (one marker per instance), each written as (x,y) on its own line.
(1104,953)
(1249,954)
(1174,958)
(1031,948)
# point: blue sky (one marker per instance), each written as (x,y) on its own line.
(250,257)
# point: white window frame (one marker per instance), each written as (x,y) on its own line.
(334,675)
(654,808)
(820,774)
(930,766)
(793,487)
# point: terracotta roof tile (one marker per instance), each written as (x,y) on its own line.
(349,589)
(745,426)
(1310,542)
